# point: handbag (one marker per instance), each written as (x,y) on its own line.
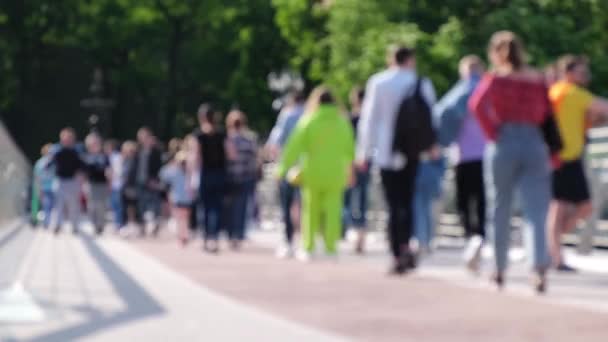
(294,176)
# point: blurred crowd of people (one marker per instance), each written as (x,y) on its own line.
(510,129)
(206,179)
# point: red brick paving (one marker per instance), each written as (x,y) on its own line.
(356,301)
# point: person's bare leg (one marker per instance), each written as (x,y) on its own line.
(360,247)
(556,218)
(581,212)
(181,216)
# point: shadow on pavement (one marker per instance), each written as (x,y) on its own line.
(9,236)
(138,302)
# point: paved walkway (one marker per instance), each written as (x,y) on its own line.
(104,290)
(108,289)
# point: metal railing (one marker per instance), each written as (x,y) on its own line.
(595,231)
(597,171)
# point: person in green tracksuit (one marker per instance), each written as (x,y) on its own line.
(323,144)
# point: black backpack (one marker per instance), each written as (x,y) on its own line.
(414,132)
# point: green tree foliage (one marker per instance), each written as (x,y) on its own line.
(162,58)
(355,33)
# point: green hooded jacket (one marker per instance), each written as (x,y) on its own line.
(324,145)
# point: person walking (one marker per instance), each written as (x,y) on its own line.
(355,198)
(242,175)
(575,107)
(459,126)
(117,178)
(97,169)
(144,174)
(68,165)
(214,151)
(177,176)
(384,95)
(323,142)
(511,104)
(128,153)
(287,120)
(193,160)
(44,181)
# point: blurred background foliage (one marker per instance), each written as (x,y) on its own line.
(161,58)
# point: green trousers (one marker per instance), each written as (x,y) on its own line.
(321,211)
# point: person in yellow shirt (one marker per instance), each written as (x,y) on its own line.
(575,108)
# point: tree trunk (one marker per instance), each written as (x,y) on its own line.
(172,78)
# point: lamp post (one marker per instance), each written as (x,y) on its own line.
(98,106)
(283,83)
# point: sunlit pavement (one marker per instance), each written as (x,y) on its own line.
(63,288)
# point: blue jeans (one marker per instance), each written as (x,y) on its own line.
(428,188)
(118,208)
(239,199)
(423,224)
(288,195)
(147,200)
(48,202)
(212,191)
(355,202)
(518,160)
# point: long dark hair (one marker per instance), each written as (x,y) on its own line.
(508,47)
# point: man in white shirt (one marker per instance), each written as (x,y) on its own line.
(385,92)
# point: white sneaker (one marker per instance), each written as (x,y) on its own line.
(284,252)
(304,256)
(472,253)
(127,231)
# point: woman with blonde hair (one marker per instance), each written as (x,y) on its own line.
(242,174)
(323,144)
(511,104)
(178,176)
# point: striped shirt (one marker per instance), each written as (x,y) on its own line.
(244,167)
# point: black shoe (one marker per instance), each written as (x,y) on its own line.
(565,268)
(401,266)
(540,282)
(397,269)
(410,260)
(498,280)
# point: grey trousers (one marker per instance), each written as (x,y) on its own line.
(98,205)
(67,200)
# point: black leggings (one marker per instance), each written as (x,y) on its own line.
(470,197)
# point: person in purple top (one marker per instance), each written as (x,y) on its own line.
(470,142)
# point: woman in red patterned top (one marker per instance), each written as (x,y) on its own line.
(511,103)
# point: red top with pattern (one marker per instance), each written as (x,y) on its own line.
(500,100)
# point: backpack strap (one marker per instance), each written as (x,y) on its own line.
(418,89)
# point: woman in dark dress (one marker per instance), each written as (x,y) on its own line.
(214,151)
